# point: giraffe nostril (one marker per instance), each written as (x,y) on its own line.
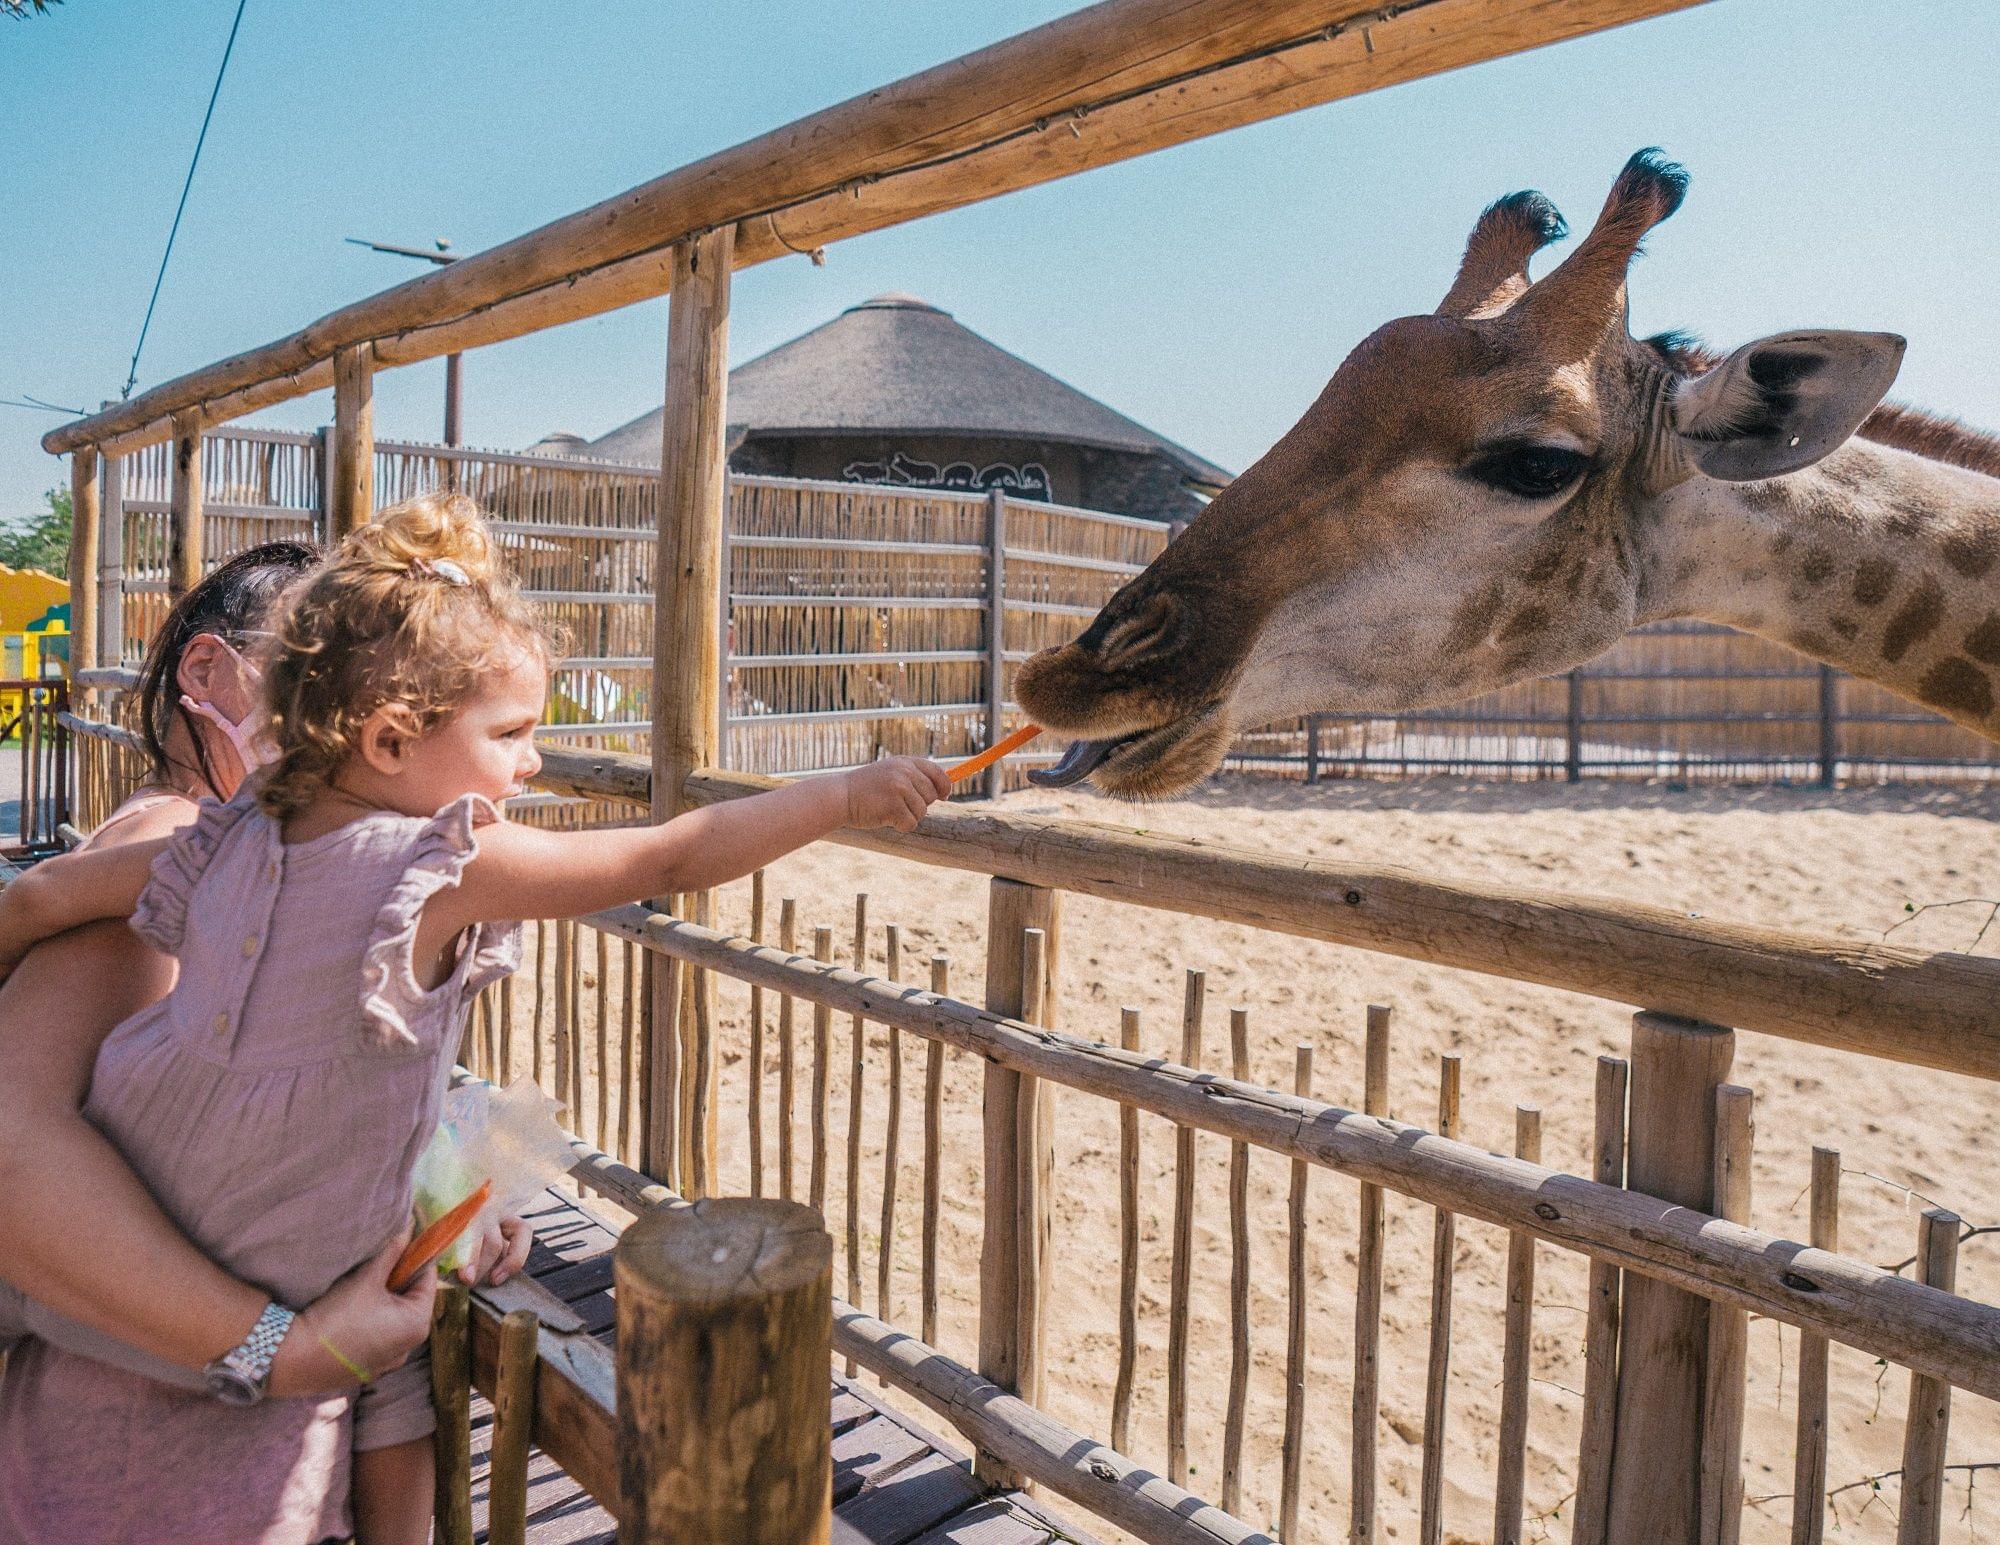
(1142,633)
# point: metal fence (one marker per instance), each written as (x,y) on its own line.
(863,619)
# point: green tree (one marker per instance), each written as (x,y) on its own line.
(40,540)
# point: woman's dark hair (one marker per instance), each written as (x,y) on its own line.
(231,603)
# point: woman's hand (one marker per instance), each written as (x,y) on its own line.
(503,1250)
(357,1321)
(894,791)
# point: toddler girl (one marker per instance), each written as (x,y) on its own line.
(332,921)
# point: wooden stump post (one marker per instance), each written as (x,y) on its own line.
(687,613)
(184,515)
(451,1393)
(1677,1065)
(1013,1256)
(725,1356)
(350,495)
(86,517)
(996,634)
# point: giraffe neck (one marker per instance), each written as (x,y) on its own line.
(1878,561)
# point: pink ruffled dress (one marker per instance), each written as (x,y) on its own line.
(275,1103)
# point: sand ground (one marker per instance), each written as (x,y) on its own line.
(1844,862)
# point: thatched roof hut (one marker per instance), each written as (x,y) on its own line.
(895,391)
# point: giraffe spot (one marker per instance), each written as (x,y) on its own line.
(1843,627)
(1755,576)
(1607,599)
(1544,567)
(1873,578)
(1916,619)
(1983,642)
(1782,542)
(1529,619)
(1972,553)
(1957,686)
(1815,644)
(1816,567)
(1473,620)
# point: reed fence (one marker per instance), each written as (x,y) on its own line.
(867,620)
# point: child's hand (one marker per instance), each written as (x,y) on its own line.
(503,1250)
(894,791)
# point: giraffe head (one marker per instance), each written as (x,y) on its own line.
(1465,506)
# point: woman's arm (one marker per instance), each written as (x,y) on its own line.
(84,1235)
(526,872)
(59,894)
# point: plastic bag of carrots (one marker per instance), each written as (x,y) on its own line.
(493,1153)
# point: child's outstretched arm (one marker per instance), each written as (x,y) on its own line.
(59,894)
(524,872)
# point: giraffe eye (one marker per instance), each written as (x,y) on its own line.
(1530,471)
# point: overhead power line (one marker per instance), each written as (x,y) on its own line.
(228,48)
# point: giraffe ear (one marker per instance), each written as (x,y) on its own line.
(1783,402)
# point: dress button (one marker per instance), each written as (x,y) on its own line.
(222,1024)
(274,871)
(250,947)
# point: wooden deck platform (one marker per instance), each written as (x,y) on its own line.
(894,1483)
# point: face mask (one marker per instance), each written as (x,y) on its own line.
(249,750)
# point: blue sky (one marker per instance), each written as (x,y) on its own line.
(1846,161)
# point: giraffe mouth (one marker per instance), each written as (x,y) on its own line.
(1147,764)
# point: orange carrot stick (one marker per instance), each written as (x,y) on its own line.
(435,1240)
(972,766)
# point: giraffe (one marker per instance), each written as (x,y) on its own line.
(1504,488)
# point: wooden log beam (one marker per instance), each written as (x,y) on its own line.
(1095,1477)
(1107,83)
(725,1309)
(86,518)
(184,515)
(1925,1007)
(1847,1300)
(351,486)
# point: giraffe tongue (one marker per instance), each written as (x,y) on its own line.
(1081,760)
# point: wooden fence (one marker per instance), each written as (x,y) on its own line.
(864,620)
(846,1052)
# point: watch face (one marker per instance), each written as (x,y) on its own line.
(231,1386)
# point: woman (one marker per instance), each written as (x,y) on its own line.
(84,1236)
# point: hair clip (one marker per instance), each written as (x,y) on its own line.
(441,568)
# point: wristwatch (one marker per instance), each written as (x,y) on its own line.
(239,1375)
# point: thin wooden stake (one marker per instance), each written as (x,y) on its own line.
(788,941)
(885,1257)
(1600,1331)
(540,1060)
(1728,1335)
(1368,1294)
(565,1027)
(1239,1281)
(1809,1464)
(822,1054)
(628,984)
(857,1065)
(513,1429)
(603,1040)
(1437,1374)
(1920,1514)
(933,1134)
(1128,1249)
(1292,1459)
(754,1097)
(507,1029)
(1509,1485)
(1183,1257)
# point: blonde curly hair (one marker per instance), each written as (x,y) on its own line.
(411,611)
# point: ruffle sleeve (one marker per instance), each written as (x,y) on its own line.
(161,916)
(394,1008)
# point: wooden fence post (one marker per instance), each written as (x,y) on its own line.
(996,634)
(687,634)
(451,1394)
(725,1358)
(1920,1516)
(1677,1065)
(1573,744)
(184,516)
(1829,726)
(1312,748)
(111,566)
(1013,1257)
(86,520)
(350,494)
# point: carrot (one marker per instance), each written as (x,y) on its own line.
(435,1240)
(978,764)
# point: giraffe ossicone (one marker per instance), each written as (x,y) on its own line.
(1504,488)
